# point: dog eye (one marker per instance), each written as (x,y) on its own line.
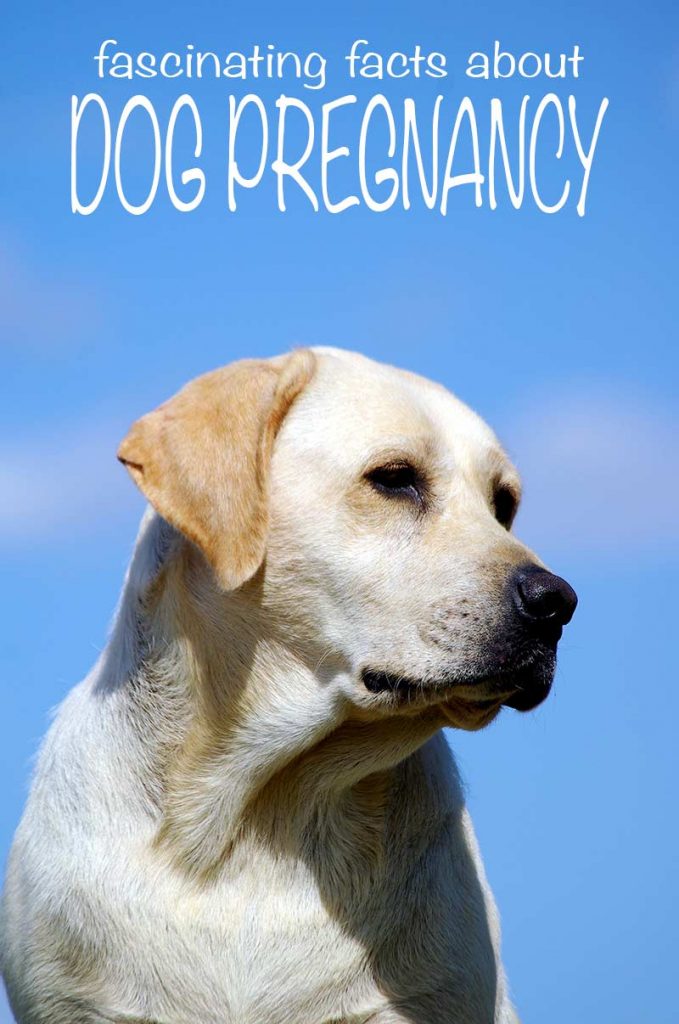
(504,506)
(397,480)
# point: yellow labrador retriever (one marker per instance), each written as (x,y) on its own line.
(247,813)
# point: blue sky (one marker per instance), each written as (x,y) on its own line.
(561,330)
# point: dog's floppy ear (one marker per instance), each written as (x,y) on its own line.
(202,458)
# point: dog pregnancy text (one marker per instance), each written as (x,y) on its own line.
(299,131)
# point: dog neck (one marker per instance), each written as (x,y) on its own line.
(242,736)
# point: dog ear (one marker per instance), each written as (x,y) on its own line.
(202,458)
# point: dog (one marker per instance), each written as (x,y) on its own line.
(248,812)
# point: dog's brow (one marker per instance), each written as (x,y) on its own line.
(497,459)
(416,449)
(503,472)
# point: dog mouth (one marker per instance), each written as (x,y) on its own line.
(522,687)
(386,682)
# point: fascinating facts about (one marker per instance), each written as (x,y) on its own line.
(365,147)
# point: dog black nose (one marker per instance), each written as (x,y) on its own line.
(544,598)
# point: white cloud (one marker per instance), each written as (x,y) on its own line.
(601,473)
(41,310)
(64,480)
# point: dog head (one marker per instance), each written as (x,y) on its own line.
(373,510)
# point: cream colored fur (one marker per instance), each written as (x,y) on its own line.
(225,825)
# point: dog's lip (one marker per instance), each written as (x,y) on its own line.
(379,682)
(528,698)
(519,688)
